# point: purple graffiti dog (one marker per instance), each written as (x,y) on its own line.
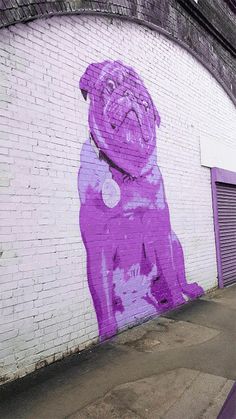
(135,262)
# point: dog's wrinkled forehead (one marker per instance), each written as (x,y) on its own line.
(100,80)
(111,74)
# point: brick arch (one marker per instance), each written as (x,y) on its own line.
(184,21)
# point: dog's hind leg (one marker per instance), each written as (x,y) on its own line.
(159,294)
(167,288)
(190,290)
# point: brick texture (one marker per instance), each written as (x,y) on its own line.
(46,308)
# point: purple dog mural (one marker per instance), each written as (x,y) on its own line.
(135,262)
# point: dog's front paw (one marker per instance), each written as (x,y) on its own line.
(192,290)
(107,331)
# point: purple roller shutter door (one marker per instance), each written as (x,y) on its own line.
(226,209)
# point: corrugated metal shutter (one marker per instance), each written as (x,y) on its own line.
(226,203)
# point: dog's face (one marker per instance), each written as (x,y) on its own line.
(122,116)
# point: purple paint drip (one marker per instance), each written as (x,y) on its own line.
(135,262)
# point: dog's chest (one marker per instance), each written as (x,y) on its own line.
(111,192)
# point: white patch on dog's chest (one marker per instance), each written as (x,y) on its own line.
(110,193)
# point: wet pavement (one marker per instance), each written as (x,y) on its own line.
(181,365)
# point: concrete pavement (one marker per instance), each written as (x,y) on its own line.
(173,367)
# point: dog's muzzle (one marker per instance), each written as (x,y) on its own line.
(127,110)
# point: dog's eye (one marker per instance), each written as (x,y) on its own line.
(111,85)
(145,104)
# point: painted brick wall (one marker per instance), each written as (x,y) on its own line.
(46,308)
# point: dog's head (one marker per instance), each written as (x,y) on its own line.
(122,116)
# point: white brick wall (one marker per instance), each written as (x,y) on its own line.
(46,308)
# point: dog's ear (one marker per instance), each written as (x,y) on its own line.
(89,78)
(84,93)
(84,84)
